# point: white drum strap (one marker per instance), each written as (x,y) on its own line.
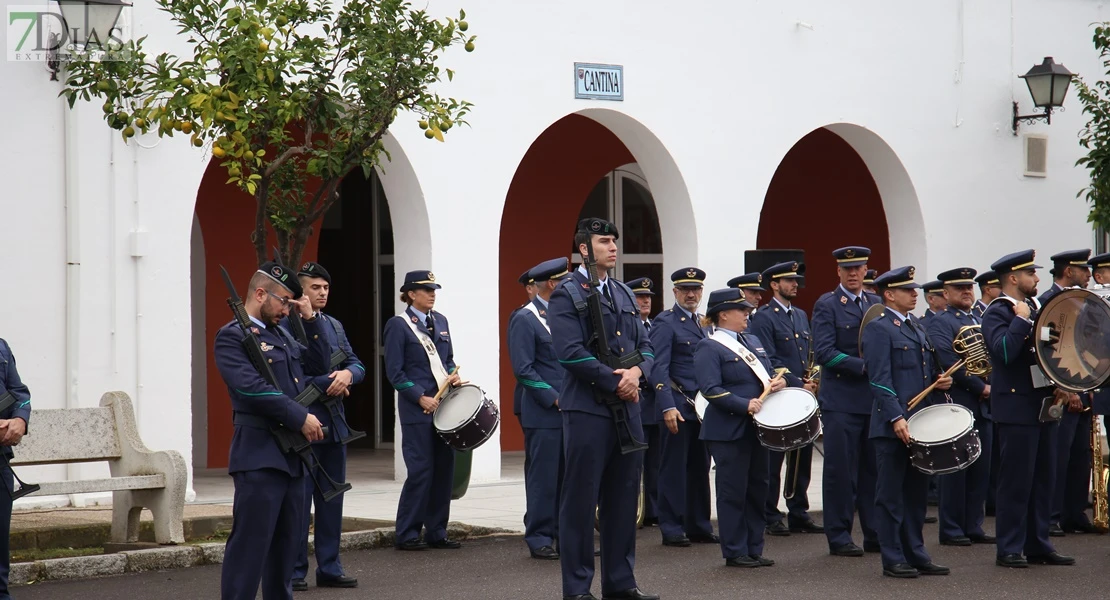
(725,339)
(532,309)
(429,345)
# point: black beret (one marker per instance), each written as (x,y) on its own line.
(596,226)
(315,269)
(282,276)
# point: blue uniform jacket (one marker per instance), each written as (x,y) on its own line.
(899,366)
(570,332)
(835,327)
(518,389)
(673,337)
(331,330)
(787,339)
(649,408)
(406,363)
(252,446)
(966,389)
(728,384)
(978,309)
(10,382)
(1010,343)
(536,369)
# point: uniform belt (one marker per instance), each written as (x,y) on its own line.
(249,420)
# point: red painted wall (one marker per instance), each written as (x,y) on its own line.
(541,211)
(821,198)
(226,217)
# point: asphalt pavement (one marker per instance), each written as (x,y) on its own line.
(499,568)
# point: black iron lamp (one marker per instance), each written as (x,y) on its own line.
(1048,84)
(88,24)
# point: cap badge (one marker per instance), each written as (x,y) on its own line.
(759,278)
(794,267)
(911,272)
(276,271)
(595,225)
(307,267)
(691,273)
(647,283)
(849,253)
(965,273)
(431,277)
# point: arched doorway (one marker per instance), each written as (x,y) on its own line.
(842,185)
(603,163)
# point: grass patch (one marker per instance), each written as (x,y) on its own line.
(220,535)
(33,554)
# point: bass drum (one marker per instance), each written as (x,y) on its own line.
(1071,340)
(640,503)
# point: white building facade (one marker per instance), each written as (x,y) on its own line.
(109,259)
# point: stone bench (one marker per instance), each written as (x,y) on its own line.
(141,478)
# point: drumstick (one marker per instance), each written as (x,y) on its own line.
(918,398)
(446,385)
(767,390)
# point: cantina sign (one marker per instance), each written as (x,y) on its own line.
(598,82)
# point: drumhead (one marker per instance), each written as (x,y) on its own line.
(940,423)
(786,407)
(1071,344)
(458,407)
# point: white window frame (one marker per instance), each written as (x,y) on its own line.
(615,197)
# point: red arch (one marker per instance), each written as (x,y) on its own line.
(541,209)
(821,198)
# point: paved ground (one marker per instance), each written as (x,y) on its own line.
(499,569)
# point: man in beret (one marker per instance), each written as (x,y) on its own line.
(538,371)
(269,484)
(344,370)
(1028,444)
(1073,456)
(419,361)
(683,502)
(642,288)
(594,401)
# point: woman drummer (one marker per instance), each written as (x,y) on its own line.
(418,361)
(732,369)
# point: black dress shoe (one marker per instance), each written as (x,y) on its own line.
(956,541)
(1052,558)
(705,538)
(415,544)
(777,528)
(678,541)
(982,539)
(1079,528)
(872,547)
(651,521)
(632,594)
(746,562)
(580,597)
(337,582)
(930,568)
(900,570)
(806,527)
(1013,561)
(300,585)
(1055,530)
(545,553)
(445,544)
(763,560)
(930,519)
(848,549)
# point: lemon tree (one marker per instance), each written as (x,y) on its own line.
(1095,136)
(290,95)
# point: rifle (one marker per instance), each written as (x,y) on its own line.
(6,401)
(598,340)
(288,440)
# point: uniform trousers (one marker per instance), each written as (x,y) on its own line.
(963,494)
(543,476)
(265,534)
(1073,470)
(425,501)
(1026,476)
(901,497)
(848,482)
(742,485)
(651,470)
(797,506)
(328,520)
(683,499)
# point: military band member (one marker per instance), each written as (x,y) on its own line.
(597,475)
(869,281)
(13,426)
(518,389)
(989,289)
(934,298)
(538,370)
(1073,458)
(963,494)
(642,288)
(848,480)
(1100,398)
(419,360)
(332,455)
(269,484)
(752,286)
(784,330)
(1027,470)
(899,366)
(732,372)
(684,501)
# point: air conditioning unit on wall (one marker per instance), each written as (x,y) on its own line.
(1036,154)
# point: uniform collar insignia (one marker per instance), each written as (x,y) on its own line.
(843,299)
(543,313)
(413,319)
(255,331)
(897,323)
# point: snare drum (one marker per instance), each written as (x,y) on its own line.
(466,418)
(943,439)
(789,419)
